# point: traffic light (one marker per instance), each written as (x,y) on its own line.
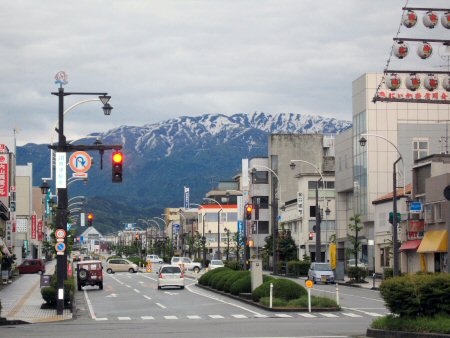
(391,217)
(117,162)
(311,236)
(90,218)
(248,211)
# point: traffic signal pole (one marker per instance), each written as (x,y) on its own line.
(62,211)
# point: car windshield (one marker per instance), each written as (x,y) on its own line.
(170,269)
(322,267)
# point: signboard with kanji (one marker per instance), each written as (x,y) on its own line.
(4,188)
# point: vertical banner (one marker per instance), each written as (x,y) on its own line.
(4,188)
(186,197)
(8,234)
(39,230)
(82,219)
(245,179)
(61,166)
(33,227)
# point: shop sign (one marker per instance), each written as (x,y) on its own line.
(414,95)
(33,227)
(4,189)
(39,230)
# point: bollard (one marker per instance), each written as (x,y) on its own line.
(373,281)
(309,299)
(337,294)
(271,293)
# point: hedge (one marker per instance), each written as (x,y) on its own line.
(234,265)
(231,278)
(218,278)
(299,268)
(242,285)
(205,278)
(276,302)
(320,302)
(49,293)
(417,295)
(282,288)
(357,273)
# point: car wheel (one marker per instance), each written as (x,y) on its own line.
(196,269)
(131,270)
(100,285)
(182,287)
(40,272)
(159,288)
(109,271)
(314,280)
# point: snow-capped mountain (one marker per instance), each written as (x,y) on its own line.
(162,158)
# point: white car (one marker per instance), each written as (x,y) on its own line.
(170,275)
(186,263)
(154,259)
(321,272)
(216,263)
(351,264)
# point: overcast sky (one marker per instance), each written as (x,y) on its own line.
(163,59)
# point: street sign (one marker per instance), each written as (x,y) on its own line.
(60,233)
(177,227)
(80,162)
(309,283)
(415,207)
(60,165)
(80,175)
(60,248)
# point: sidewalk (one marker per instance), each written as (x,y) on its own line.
(22,300)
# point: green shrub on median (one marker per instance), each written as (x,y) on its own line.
(276,302)
(49,293)
(206,277)
(242,285)
(282,288)
(232,278)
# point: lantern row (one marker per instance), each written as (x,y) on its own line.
(430,19)
(414,81)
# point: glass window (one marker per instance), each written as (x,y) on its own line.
(263,201)
(211,217)
(312,211)
(420,148)
(260,177)
(263,227)
(231,216)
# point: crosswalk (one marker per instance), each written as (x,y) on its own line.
(292,315)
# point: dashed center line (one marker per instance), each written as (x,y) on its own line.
(171,317)
(135,290)
(149,298)
(161,306)
(123,318)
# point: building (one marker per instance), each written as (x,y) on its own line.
(363,174)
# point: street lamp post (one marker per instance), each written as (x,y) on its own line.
(218,224)
(362,142)
(318,257)
(203,234)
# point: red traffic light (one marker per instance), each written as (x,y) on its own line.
(117,157)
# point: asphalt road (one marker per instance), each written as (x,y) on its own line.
(131,305)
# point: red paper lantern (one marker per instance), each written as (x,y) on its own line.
(445,20)
(430,19)
(413,82)
(409,19)
(424,50)
(401,49)
(446,82)
(393,82)
(431,82)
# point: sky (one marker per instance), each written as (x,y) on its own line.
(169,58)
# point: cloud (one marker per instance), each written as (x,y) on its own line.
(163,59)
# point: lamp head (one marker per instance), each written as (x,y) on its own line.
(327,211)
(45,187)
(292,165)
(107,109)
(362,141)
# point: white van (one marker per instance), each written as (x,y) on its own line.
(154,259)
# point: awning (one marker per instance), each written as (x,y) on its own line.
(410,245)
(434,241)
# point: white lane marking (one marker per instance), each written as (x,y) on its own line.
(170,317)
(129,277)
(118,281)
(188,287)
(137,291)
(282,315)
(147,317)
(349,314)
(101,319)
(261,316)
(373,314)
(161,306)
(306,315)
(149,298)
(171,293)
(154,279)
(112,295)
(91,309)
(239,316)
(123,318)
(328,315)
(128,286)
(346,294)
(141,282)
(194,317)
(216,316)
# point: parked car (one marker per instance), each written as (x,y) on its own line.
(154,259)
(321,272)
(120,265)
(89,273)
(32,266)
(186,263)
(170,275)
(215,263)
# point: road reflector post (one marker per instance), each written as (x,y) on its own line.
(337,294)
(271,295)
(309,284)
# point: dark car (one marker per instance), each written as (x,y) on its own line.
(89,273)
(32,266)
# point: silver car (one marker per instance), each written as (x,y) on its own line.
(170,275)
(321,272)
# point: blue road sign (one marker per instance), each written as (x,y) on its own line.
(177,227)
(60,247)
(415,207)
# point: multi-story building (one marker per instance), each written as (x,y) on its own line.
(363,174)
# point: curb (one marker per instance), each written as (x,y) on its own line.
(4,321)
(264,307)
(376,333)
(357,286)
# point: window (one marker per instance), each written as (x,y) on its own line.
(231,216)
(260,177)
(328,185)
(384,256)
(437,211)
(263,227)
(420,148)
(211,217)
(312,211)
(263,201)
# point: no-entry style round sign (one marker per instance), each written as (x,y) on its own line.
(80,161)
(60,233)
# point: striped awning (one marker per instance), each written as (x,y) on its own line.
(410,245)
